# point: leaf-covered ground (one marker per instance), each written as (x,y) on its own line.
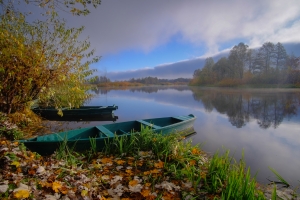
(25,174)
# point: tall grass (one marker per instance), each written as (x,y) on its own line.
(67,153)
(229,179)
(146,140)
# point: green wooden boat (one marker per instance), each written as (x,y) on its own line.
(84,113)
(79,139)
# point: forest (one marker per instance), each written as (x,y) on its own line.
(104,81)
(267,65)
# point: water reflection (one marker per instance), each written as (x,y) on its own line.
(241,106)
(146,89)
(100,117)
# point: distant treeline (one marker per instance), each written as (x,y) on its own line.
(269,64)
(155,81)
(104,81)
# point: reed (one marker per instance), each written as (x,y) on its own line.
(280,178)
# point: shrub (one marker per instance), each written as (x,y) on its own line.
(229,82)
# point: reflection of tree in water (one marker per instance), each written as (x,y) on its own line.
(268,108)
(155,89)
(146,89)
(100,90)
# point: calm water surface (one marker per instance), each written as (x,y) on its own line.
(265,123)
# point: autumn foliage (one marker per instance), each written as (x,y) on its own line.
(41,62)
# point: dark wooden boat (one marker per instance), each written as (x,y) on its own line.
(83,113)
(79,139)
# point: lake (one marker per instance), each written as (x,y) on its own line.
(265,123)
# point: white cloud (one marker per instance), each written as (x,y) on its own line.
(143,25)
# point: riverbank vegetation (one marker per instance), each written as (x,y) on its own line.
(269,65)
(103,81)
(144,166)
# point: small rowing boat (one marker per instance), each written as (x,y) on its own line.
(75,114)
(79,139)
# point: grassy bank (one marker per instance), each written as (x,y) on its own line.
(145,166)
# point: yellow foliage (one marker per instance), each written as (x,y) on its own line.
(20,194)
(145,193)
(15,163)
(159,164)
(195,151)
(120,162)
(84,193)
(106,160)
(133,182)
(192,162)
(56,186)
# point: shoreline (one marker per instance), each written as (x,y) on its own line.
(43,169)
(17,164)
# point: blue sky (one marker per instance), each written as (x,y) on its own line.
(132,59)
(170,39)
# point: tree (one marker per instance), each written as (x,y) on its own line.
(42,61)
(76,7)
(280,56)
(237,59)
(250,60)
(293,61)
(206,75)
(221,68)
(264,57)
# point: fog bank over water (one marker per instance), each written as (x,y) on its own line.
(181,69)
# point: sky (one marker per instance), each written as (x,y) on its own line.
(172,38)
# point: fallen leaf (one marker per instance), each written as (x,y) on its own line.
(3,188)
(15,163)
(159,164)
(133,182)
(56,186)
(84,193)
(22,193)
(195,151)
(145,193)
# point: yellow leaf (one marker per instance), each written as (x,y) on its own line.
(106,160)
(133,182)
(64,190)
(147,184)
(159,164)
(147,172)
(56,186)
(20,194)
(15,163)
(120,162)
(155,171)
(192,162)
(195,151)
(84,193)
(145,193)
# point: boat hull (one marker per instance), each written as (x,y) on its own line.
(83,113)
(79,139)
